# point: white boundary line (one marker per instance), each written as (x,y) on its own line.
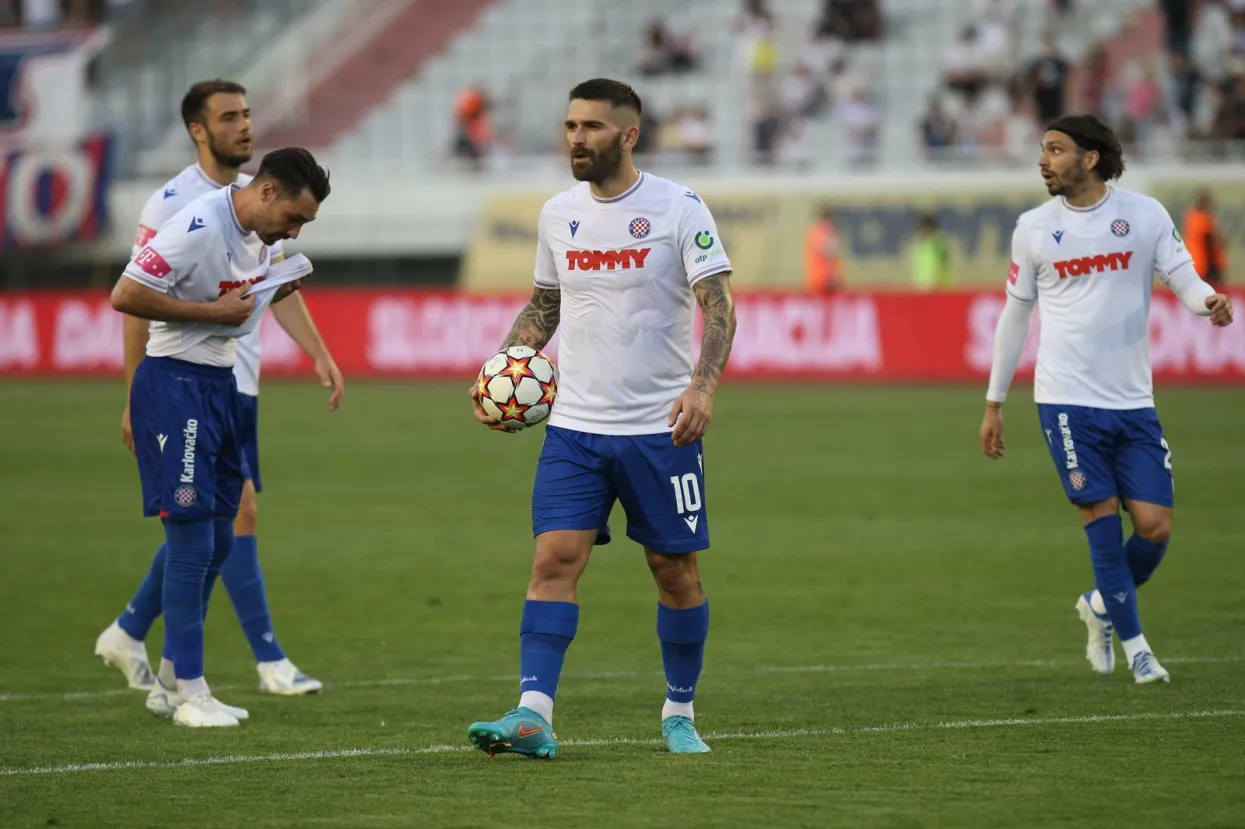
(465,679)
(951,725)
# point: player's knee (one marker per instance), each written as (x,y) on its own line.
(247,520)
(559,558)
(1155,528)
(677,576)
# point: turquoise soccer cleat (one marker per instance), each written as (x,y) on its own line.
(520,731)
(680,735)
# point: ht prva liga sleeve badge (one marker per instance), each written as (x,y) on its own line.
(518,386)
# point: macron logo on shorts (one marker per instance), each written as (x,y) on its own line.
(152,263)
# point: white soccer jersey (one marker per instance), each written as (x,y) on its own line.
(198,255)
(181,190)
(1091,271)
(625,267)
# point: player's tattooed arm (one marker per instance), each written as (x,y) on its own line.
(538,320)
(714,295)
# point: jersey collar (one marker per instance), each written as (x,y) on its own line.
(1092,207)
(233,214)
(620,196)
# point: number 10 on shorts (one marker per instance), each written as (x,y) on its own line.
(686,492)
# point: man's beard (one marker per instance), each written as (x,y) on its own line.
(602,165)
(226,158)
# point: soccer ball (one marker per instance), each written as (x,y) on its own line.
(518,386)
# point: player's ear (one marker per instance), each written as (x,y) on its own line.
(631,137)
(1091,159)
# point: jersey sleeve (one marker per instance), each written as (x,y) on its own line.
(169,256)
(149,221)
(546,273)
(1170,253)
(1022,273)
(702,250)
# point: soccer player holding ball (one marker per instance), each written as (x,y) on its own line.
(622,259)
(1089,257)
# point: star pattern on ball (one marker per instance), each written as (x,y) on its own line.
(517,369)
(513,410)
(549,392)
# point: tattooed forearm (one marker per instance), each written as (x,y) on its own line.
(538,320)
(714,295)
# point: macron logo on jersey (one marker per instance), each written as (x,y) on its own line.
(195,224)
(152,263)
(169,192)
(1088,264)
(595,260)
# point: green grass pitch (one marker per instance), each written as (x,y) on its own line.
(893,640)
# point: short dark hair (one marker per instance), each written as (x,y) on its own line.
(294,170)
(194,102)
(1091,133)
(616,93)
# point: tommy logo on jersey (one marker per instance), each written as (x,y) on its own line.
(1093,264)
(227,286)
(595,260)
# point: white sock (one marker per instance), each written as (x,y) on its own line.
(1096,602)
(677,709)
(1134,646)
(539,702)
(187,688)
(167,675)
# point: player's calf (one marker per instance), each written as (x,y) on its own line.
(682,628)
(1152,527)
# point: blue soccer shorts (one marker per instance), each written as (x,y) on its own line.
(661,487)
(1105,453)
(248,436)
(185,421)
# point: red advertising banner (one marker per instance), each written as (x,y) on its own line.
(414,333)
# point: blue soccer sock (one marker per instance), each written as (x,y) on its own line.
(545,633)
(245,582)
(143,610)
(1144,557)
(222,546)
(190,552)
(1112,575)
(682,634)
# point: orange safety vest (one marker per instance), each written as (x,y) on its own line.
(1201,238)
(823,263)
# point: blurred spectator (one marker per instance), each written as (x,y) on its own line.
(849,20)
(931,256)
(1204,240)
(1048,76)
(689,132)
(860,121)
(667,49)
(938,129)
(823,255)
(1177,20)
(801,93)
(473,135)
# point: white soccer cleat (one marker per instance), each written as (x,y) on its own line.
(164,701)
(1146,669)
(1100,650)
(283,678)
(128,655)
(204,711)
